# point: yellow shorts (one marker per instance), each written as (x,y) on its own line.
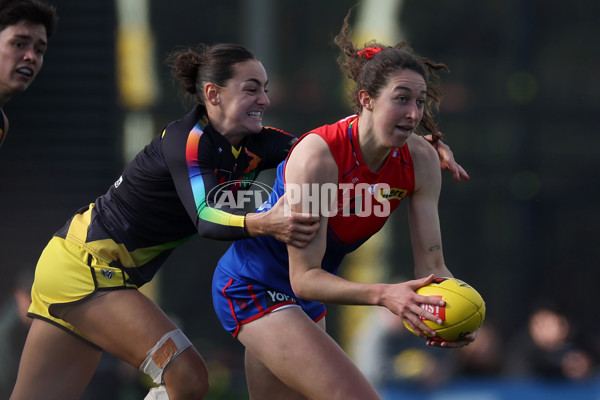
(66,275)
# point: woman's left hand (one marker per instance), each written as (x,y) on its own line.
(447,160)
(439,342)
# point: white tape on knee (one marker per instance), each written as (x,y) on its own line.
(165,350)
(157,393)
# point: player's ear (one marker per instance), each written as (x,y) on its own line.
(211,93)
(365,100)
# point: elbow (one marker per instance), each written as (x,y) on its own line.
(299,288)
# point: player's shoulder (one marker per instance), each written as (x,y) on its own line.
(271,130)
(312,154)
(426,162)
(420,148)
(313,143)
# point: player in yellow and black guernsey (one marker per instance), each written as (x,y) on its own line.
(167,194)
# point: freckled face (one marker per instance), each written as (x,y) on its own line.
(243,100)
(22,48)
(398,109)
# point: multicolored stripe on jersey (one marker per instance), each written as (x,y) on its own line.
(205,212)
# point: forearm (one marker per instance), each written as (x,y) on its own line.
(317,284)
(255,225)
(439,270)
(429,259)
(220,225)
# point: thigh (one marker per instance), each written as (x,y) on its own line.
(303,356)
(128,324)
(262,383)
(125,323)
(55,364)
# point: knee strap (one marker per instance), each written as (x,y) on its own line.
(157,393)
(165,350)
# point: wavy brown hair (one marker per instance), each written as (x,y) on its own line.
(372,74)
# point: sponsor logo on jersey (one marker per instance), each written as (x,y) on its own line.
(391,194)
(274,297)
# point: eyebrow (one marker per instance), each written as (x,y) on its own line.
(408,89)
(28,37)
(256,81)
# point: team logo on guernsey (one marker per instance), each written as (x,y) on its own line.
(108,274)
(274,297)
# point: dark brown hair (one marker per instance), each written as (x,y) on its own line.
(372,74)
(31,11)
(193,67)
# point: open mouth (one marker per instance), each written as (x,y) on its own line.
(25,71)
(255,114)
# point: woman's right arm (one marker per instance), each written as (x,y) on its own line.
(311,165)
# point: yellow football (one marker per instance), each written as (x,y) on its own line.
(463,313)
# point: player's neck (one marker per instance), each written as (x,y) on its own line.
(373,153)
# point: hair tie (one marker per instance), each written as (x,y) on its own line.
(369,52)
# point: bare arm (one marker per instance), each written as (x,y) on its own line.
(423,214)
(424,222)
(311,165)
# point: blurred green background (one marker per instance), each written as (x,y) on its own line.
(519,111)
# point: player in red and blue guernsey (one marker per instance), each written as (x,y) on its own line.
(260,266)
(352,174)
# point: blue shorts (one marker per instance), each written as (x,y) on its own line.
(238,301)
